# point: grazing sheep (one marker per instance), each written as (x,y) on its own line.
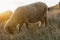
(27,14)
(55,7)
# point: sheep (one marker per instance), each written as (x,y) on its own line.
(55,7)
(27,14)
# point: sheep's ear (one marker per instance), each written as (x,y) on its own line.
(48,9)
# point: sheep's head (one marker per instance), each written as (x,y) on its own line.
(10,28)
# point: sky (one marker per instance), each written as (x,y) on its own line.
(13,4)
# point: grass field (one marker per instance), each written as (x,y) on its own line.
(49,32)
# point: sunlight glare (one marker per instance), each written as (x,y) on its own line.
(13,4)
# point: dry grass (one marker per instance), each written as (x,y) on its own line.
(50,32)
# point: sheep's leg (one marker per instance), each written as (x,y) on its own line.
(27,25)
(45,21)
(20,25)
(42,23)
(41,26)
